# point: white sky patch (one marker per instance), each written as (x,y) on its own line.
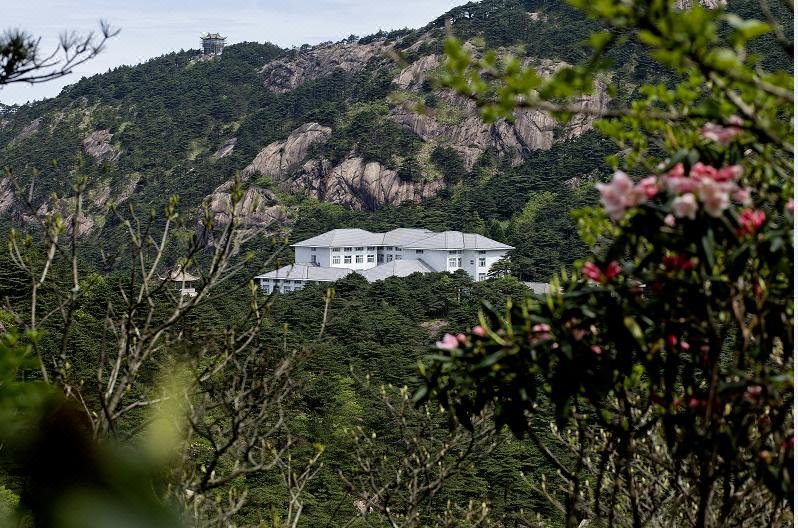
(150,28)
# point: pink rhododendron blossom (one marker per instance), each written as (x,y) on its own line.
(672,340)
(752,393)
(448,342)
(701,170)
(592,272)
(729,173)
(742,195)
(618,195)
(541,327)
(646,189)
(613,270)
(790,205)
(478,331)
(685,206)
(461,338)
(684,345)
(676,172)
(670,220)
(714,195)
(677,262)
(750,221)
(720,134)
(595,349)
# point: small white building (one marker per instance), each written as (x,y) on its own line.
(376,256)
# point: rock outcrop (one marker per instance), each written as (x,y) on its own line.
(226,149)
(279,159)
(361,184)
(258,207)
(98,145)
(470,137)
(6,195)
(417,72)
(285,74)
(27,131)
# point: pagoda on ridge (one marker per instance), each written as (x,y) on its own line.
(212,43)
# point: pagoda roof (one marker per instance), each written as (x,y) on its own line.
(213,36)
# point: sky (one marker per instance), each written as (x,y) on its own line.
(150,28)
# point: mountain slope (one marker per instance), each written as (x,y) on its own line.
(337,122)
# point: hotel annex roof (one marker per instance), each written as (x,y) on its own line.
(397,268)
(306,272)
(403,237)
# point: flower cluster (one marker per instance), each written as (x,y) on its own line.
(704,185)
(596,274)
(723,135)
(750,222)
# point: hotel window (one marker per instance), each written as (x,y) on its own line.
(370,258)
(419,252)
(358,249)
(452,262)
(380,258)
(398,257)
(371,248)
(348,259)
(454,252)
(359,259)
(390,258)
(389,248)
(336,250)
(347,249)
(297,282)
(481,277)
(481,252)
(313,249)
(472,262)
(481,262)
(336,259)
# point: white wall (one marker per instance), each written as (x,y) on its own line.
(304,255)
(354,253)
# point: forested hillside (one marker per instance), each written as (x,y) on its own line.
(389,148)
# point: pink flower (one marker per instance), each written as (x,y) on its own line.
(685,206)
(729,173)
(742,195)
(701,170)
(750,222)
(714,195)
(735,120)
(592,272)
(595,349)
(461,338)
(684,345)
(752,393)
(618,195)
(672,340)
(670,220)
(613,270)
(790,205)
(478,331)
(676,172)
(646,189)
(719,134)
(449,342)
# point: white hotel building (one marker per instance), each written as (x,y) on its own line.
(397,253)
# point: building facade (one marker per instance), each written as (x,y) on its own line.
(212,43)
(397,253)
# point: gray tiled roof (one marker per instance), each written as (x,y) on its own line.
(306,272)
(457,240)
(403,237)
(343,237)
(213,36)
(397,268)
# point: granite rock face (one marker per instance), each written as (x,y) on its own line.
(98,146)
(285,74)
(280,158)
